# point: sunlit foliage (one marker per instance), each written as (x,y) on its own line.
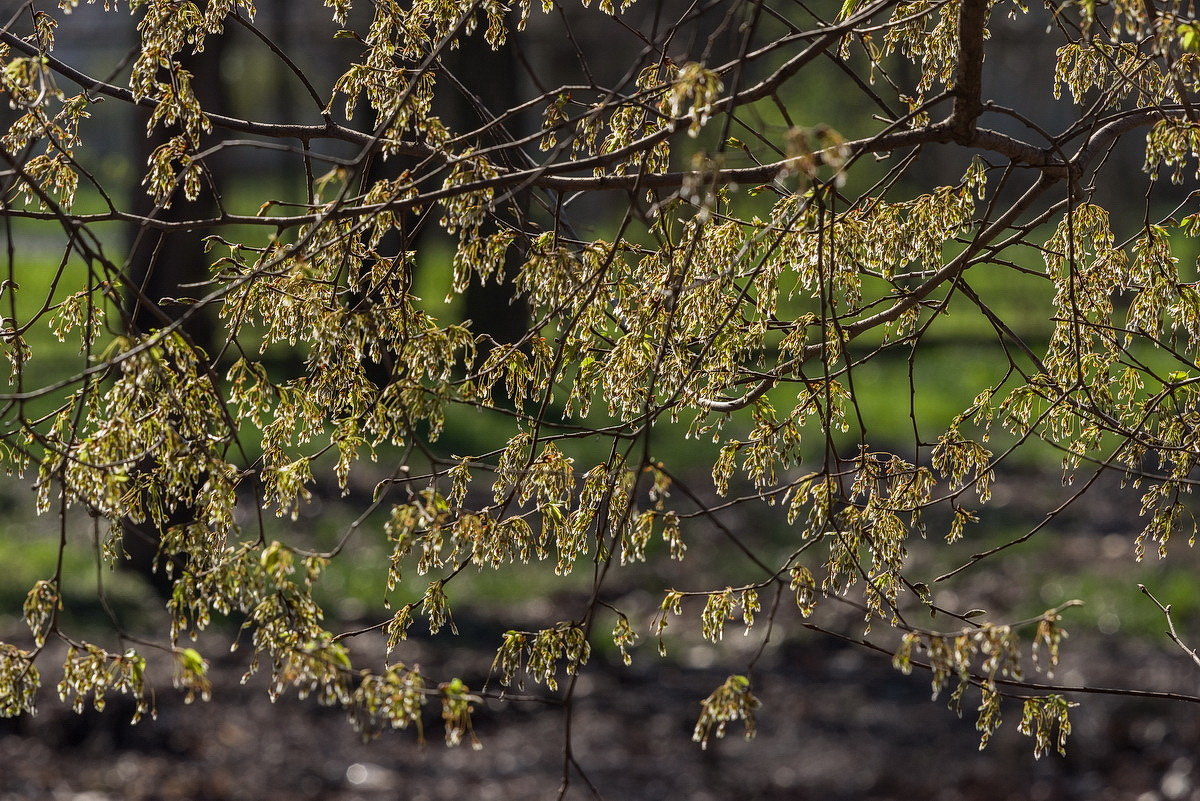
(750,272)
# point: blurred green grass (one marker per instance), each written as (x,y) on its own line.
(957,358)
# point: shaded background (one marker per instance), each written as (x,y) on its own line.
(837,721)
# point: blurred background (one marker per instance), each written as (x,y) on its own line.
(837,721)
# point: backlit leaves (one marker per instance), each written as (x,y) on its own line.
(751,316)
(730,702)
(538,654)
(90,671)
(19,682)
(1047,721)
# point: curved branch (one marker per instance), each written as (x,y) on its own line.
(328,130)
(1194,653)
(1052,171)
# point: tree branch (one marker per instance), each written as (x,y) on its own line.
(1166,610)
(968,82)
(328,130)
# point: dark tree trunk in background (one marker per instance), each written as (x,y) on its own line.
(163,265)
(491,79)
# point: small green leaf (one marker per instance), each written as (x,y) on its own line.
(191,661)
(922,591)
(1189,37)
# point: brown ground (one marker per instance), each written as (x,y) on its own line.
(836,724)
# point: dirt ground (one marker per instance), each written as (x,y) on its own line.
(836,724)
